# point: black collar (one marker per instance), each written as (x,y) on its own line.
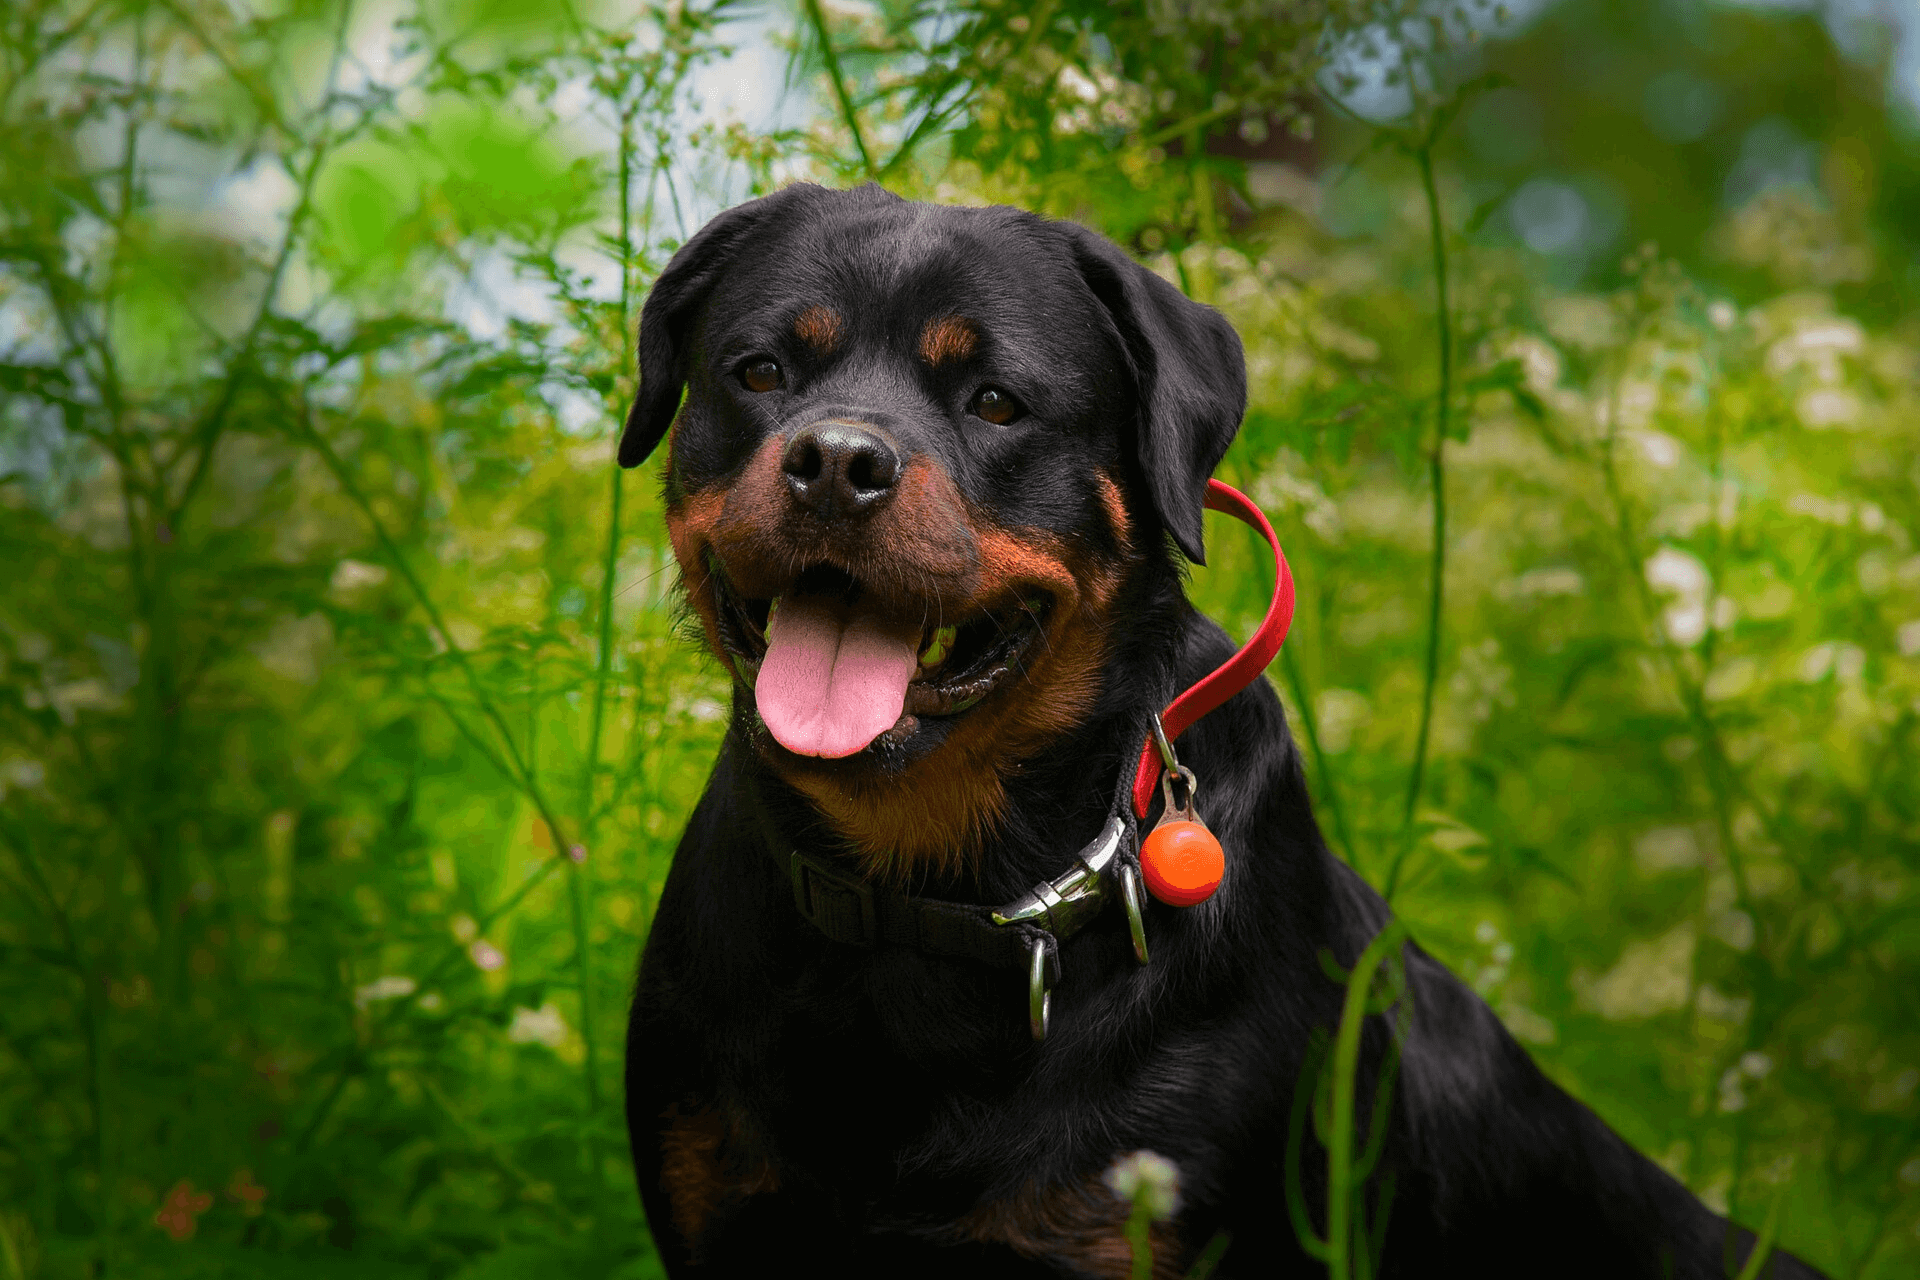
(1025,933)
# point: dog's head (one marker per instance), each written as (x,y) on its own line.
(920,451)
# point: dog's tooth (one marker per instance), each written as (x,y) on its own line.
(936,651)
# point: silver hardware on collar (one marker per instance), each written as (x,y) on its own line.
(1039,987)
(1166,746)
(1073,897)
(1130,898)
(1177,809)
(1174,770)
(1058,907)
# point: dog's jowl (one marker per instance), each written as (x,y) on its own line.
(931,477)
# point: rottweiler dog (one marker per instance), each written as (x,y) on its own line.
(929,489)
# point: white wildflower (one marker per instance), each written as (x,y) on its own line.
(391,987)
(1149,1180)
(544,1026)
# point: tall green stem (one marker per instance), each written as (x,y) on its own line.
(818,20)
(1717,769)
(582,890)
(1437,483)
(1341,1197)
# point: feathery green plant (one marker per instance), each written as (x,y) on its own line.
(345,733)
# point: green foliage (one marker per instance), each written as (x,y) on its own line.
(1665,832)
(324,647)
(1329,1086)
(330,632)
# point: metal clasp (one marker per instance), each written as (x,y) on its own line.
(1055,908)
(1073,897)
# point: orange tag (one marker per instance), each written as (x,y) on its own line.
(1180,860)
(1182,863)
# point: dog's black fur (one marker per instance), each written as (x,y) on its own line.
(796,1102)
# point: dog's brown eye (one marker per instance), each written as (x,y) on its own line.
(996,406)
(761,375)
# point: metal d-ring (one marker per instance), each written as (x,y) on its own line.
(1130,898)
(1174,769)
(1165,744)
(1039,986)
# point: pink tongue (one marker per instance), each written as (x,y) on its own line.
(834,678)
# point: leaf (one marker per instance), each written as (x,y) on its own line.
(489,375)
(1509,376)
(1531,858)
(34,379)
(388,331)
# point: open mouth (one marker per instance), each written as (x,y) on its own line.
(835,669)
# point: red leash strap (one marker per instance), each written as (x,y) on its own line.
(1237,672)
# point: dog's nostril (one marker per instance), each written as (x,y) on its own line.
(872,468)
(803,460)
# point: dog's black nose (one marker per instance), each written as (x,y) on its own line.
(840,468)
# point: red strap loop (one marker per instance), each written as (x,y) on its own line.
(1237,672)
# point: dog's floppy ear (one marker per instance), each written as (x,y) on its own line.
(666,321)
(1191,377)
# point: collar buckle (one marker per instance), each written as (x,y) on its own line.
(838,905)
(1061,905)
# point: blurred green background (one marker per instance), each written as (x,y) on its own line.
(345,731)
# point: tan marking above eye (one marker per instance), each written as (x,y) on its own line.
(820,328)
(948,338)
